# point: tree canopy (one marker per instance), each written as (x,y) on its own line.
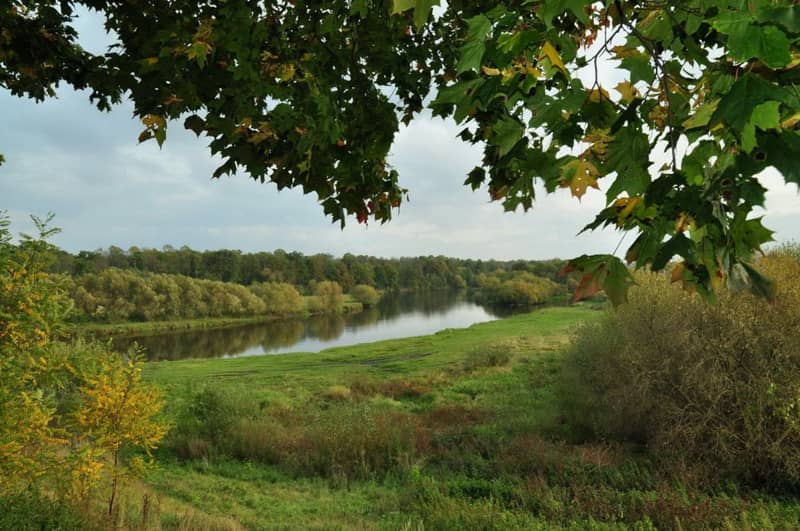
(310,93)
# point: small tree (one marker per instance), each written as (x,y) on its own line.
(329,296)
(117,411)
(366,295)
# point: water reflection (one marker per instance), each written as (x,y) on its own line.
(396,316)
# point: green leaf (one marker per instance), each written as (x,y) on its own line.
(782,151)
(629,156)
(640,68)
(759,284)
(399,6)
(422,10)
(748,40)
(554,8)
(702,115)
(765,117)
(471,53)
(788,17)
(748,92)
(506,133)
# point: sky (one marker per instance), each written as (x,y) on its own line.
(107,189)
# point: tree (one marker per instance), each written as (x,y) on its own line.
(366,295)
(328,297)
(64,408)
(296,92)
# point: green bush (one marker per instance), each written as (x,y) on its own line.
(495,354)
(714,384)
(366,295)
(32,511)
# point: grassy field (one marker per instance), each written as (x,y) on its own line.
(458,430)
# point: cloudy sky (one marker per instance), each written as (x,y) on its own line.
(106,189)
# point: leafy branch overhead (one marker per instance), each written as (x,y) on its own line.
(310,94)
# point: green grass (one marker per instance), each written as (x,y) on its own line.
(490,448)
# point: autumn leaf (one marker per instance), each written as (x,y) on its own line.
(550,53)
(627,90)
(578,175)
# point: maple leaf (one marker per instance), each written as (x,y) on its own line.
(578,175)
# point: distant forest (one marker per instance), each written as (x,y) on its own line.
(420,273)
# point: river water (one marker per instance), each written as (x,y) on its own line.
(396,316)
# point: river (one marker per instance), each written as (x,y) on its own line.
(396,316)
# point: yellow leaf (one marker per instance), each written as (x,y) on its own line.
(791,122)
(625,51)
(490,71)
(627,91)
(578,175)
(627,204)
(599,94)
(286,72)
(549,51)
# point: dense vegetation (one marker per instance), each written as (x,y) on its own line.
(118,295)
(116,286)
(516,288)
(716,385)
(425,272)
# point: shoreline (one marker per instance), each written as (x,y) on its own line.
(149,328)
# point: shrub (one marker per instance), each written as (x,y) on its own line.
(716,384)
(32,511)
(496,354)
(329,297)
(280,298)
(366,295)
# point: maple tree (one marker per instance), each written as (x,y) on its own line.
(310,94)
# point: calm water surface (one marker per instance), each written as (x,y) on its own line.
(396,316)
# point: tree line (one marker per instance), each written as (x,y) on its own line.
(417,273)
(116,295)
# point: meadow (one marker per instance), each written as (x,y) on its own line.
(463,429)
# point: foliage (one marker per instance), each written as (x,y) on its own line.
(418,273)
(116,295)
(64,409)
(712,384)
(517,288)
(32,511)
(328,297)
(279,298)
(116,411)
(711,83)
(30,307)
(366,295)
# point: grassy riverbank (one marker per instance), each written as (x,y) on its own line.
(140,328)
(457,430)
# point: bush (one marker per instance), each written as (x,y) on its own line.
(495,354)
(366,295)
(32,511)
(716,384)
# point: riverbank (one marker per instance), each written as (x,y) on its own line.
(462,429)
(145,328)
